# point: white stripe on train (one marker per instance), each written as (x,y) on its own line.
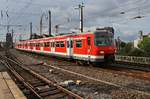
(65,54)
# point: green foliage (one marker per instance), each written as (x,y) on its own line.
(126,49)
(136,52)
(143,50)
(122,44)
(145,45)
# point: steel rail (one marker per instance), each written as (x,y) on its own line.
(22,80)
(71,94)
(95,79)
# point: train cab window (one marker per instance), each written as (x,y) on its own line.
(79,43)
(103,38)
(89,41)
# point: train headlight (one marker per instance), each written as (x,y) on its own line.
(101,52)
(115,50)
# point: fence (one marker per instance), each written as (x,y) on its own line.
(133,59)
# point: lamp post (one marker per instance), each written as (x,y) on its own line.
(80,8)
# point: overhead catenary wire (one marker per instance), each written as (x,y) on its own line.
(18,15)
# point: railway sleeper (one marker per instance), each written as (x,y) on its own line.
(36,82)
(21,86)
(50,93)
(58,96)
(44,89)
(39,84)
(27,91)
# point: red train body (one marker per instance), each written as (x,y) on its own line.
(95,46)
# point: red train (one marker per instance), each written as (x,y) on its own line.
(91,47)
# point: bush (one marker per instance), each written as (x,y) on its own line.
(145,45)
(126,49)
(137,52)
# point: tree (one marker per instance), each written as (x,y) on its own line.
(125,48)
(145,45)
(122,44)
(136,52)
(128,48)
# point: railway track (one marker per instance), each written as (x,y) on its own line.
(117,65)
(120,69)
(39,85)
(92,78)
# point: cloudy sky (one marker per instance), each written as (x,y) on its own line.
(97,13)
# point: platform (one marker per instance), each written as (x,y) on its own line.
(8,88)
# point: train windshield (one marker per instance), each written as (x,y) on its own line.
(103,39)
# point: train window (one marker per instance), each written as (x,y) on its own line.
(53,44)
(67,44)
(79,43)
(62,44)
(46,44)
(57,44)
(89,41)
(37,44)
(49,44)
(71,44)
(41,44)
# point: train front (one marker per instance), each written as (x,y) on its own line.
(104,45)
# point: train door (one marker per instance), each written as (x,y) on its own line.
(69,47)
(41,46)
(34,46)
(52,46)
(89,47)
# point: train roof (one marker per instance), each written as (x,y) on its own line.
(64,35)
(105,29)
